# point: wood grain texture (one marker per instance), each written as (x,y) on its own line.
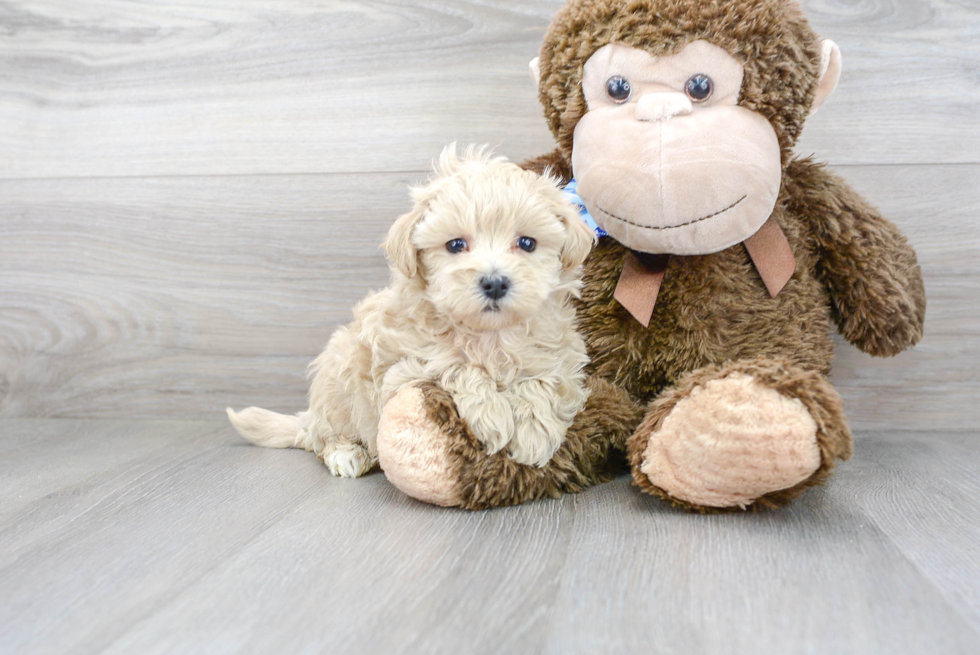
(178,287)
(148,88)
(174,297)
(126,87)
(820,577)
(909,92)
(920,490)
(175,536)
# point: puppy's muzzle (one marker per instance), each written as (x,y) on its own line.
(495,287)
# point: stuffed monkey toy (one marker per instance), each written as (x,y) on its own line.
(722,263)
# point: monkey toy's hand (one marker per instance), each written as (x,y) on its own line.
(428,452)
(867,264)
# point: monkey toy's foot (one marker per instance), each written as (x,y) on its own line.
(427,451)
(749,434)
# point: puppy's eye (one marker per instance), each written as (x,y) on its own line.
(699,88)
(527,244)
(619,88)
(456,245)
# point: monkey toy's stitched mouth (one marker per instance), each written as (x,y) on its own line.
(670,227)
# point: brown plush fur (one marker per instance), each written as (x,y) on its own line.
(713,316)
(853,266)
(715,308)
(770,38)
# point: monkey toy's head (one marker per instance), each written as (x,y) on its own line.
(679,116)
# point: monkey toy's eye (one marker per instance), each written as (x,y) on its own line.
(619,88)
(456,245)
(527,244)
(699,88)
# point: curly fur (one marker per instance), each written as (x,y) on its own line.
(512,365)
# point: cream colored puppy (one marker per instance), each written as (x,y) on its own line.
(482,271)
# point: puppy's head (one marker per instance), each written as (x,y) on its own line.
(489,242)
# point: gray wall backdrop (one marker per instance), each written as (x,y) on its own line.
(192,195)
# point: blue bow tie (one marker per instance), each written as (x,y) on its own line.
(571,194)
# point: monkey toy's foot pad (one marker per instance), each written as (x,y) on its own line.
(414,451)
(728,442)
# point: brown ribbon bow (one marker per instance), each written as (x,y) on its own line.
(639,283)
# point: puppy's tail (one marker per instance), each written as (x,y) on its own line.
(272,430)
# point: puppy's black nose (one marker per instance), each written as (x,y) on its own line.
(495,288)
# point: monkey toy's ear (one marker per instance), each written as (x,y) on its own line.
(535,68)
(830,66)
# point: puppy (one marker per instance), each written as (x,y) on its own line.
(483,268)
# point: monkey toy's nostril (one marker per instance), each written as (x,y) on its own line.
(495,288)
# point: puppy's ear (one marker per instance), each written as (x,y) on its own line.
(579,239)
(398,246)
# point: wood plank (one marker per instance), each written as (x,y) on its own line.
(233,548)
(376,574)
(148,88)
(106,553)
(366,550)
(42,493)
(920,490)
(167,289)
(818,576)
(30,477)
(175,297)
(907,79)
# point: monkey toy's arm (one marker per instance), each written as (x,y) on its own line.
(870,269)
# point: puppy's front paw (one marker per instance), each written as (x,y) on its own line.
(538,433)
(490,418)
(347,460)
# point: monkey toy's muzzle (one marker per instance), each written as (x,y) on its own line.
(661,178)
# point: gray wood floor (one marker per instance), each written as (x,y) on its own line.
(191,198)
(125,536)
